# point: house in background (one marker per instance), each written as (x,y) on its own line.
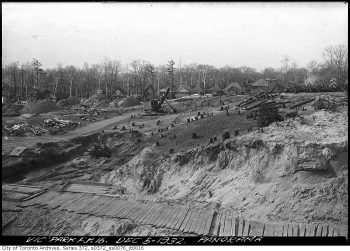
(134,91)
(215,91)
(233,88)
(162,91)
(181,91)
(261,83)
(120,92)
(197,90)
(149,93)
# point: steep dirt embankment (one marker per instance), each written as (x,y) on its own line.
(283,174)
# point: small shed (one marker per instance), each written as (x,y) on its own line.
(120,92)
(181,91)
(260,83)
(233,88)
(197,90)
(149,93)
(215,90)
(162,91)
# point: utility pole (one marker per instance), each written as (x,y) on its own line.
(171,73)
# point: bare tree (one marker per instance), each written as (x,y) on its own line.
(285,67)
(336,57)
(312,66)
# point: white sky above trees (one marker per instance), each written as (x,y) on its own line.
(218,34)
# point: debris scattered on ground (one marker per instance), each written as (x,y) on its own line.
(94,100)
(60,123)
(327,103)
(24,130)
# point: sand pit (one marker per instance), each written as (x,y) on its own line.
(39,106)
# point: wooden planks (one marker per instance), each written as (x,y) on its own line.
(36,200)
(216,225)
(200,228)
(209,222)
(310,230)
(173,218)
(302,230)
(234,226)
(185,221)
(57,201)
(222,224)
(17,151)
(269,230)
(181,217)
(71,202)
(86,205)
(246,228)
(278,230)
(256,229)
(196,221)
(227,228)
(324,231)
(203,221)
(241,223)
(147,214)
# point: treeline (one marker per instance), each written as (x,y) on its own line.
(22,81)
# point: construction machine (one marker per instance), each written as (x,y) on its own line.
(155,106)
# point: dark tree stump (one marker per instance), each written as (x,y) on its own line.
(225,136)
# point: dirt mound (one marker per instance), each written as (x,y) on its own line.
(11,109)
(39,106)
(68,102)
(128,102)
(142,170)
(101,104)
(114,103)
(94,100)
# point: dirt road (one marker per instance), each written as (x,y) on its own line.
(12,142)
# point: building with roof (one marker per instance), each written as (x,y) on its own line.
(233,88)
(197,90)
(215,91)
(181,91)
(120,92)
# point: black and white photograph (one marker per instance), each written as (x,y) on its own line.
(175,120)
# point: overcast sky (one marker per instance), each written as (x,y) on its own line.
(219,34)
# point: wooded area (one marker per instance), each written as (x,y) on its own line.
(25,80)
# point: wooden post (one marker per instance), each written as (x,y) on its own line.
(225,136)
